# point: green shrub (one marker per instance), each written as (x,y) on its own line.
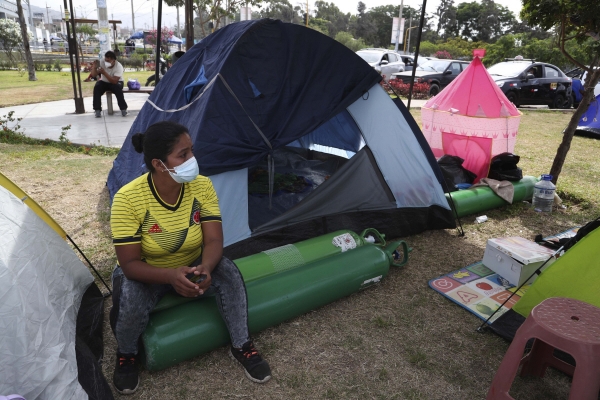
(57,66)
(48,65)
(136,61)
(5,65)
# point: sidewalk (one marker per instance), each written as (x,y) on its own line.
(45,120)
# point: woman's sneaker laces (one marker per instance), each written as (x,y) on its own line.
(257,369)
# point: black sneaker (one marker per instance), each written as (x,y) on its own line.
(257,369)
(125,377)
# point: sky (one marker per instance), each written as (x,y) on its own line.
(143,9)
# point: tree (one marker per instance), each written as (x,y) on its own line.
(10,39)
(578,21)
(25,38)
(382,18)
(337,21)
(446,15)
(361,26)
(487,21)
(347,40)
(215,11)
(279,9)
(165,35)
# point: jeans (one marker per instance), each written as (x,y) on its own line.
(133,301)
(101,87)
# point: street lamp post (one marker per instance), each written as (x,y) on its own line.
(132,17)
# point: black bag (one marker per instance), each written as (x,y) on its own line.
(503,167)
(454,172)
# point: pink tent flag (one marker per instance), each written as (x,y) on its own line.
(472,119)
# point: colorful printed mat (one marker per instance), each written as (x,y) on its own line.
(480,290)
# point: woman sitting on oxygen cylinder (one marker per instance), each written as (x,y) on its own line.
(166,228)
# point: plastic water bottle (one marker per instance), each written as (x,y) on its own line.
(543,194)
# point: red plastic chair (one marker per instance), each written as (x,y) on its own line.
(568,325)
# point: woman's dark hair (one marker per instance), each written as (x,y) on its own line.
(158,141)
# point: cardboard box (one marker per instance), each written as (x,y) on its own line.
(515,258)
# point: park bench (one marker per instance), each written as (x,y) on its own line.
(109,104)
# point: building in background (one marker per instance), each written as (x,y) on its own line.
(41,22)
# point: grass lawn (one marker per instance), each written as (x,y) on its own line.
(16,89)
(396,340)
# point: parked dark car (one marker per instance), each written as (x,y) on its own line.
(577,76)
(533,83)
(438,73)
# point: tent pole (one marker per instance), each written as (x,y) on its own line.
(88,261)
(414,70)
(158,44)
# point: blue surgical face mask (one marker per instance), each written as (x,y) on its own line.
(186,172)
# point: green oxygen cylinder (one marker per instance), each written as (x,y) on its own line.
(482,198)
(190,329)
(286,257)
(291,256)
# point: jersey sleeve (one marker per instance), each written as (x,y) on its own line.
(209,209)
(125,227)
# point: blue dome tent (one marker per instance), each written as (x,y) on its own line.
(297,136)
(589,124)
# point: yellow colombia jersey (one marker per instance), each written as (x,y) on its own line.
(171,235)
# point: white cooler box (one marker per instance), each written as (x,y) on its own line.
(515,258)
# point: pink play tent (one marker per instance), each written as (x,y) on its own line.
(472,119)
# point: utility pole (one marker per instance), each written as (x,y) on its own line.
(48,15)
(399,26)
(307,12)
(132,18)
(408,39)
(178,26)
(31,25)
(152,17)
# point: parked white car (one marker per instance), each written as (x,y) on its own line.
(386,62)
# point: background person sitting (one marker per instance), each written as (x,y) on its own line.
(111,78)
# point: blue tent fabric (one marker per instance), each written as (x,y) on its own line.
(137,35)
(174,40)
(589,124)
(193,88)
(296,96)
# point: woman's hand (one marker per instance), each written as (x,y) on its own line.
(183,285)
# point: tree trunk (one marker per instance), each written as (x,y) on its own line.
(30,66)
(588,95)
